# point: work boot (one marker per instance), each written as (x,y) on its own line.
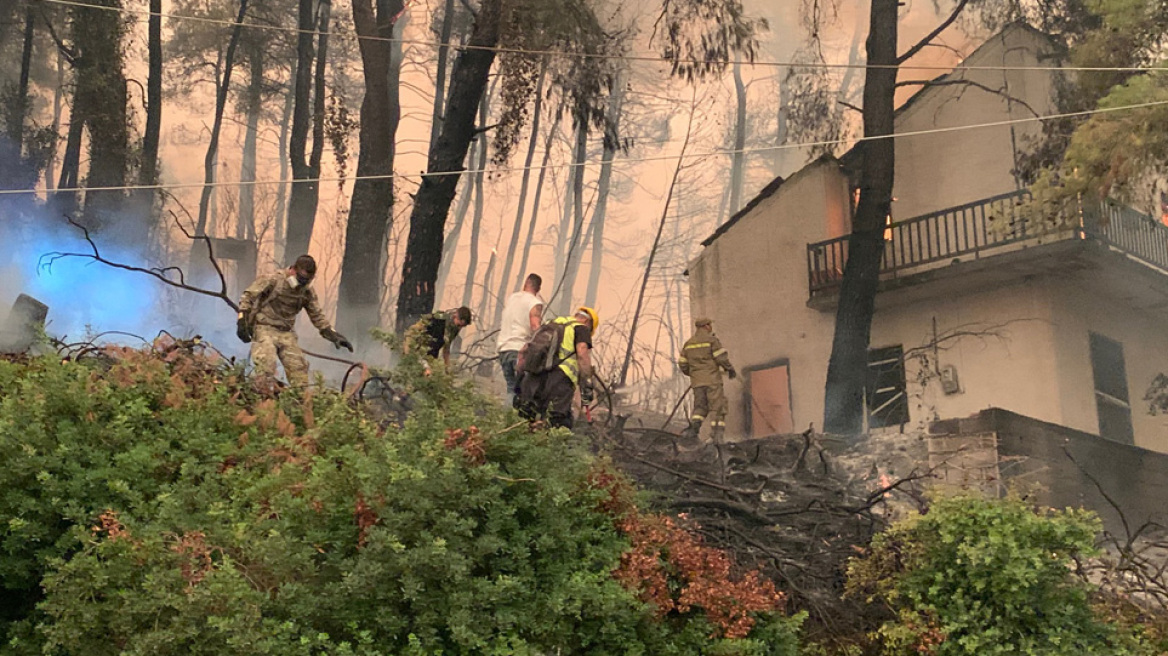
(691,431)
(717,433)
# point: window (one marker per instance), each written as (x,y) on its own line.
(887,400)
(769,395)
(1111,398)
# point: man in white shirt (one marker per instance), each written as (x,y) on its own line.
(522,316)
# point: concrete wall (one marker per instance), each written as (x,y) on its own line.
(1065,468)
(941,170)
(752,281)
(1078,311)
(1000,342)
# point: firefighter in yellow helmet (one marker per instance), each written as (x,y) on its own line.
(554,362)
(702,359)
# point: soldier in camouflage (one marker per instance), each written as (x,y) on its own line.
(703,359)
(267,316)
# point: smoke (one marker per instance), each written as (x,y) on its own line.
(86,297)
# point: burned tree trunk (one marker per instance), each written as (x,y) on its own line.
(371,208)
(479,206)
(468,82)
(281,215)
(13,172)
(738,157)
(246,226)
(624,371)
(151,138)
(543,168)
(847,370)
(444,37)
(509,254)
(216,127)
(450,245)
(301,204)
(571,225)
(101,103)
(599,214)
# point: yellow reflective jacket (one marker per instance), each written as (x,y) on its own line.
(567,354)
(703,359)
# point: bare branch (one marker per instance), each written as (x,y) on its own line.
(47,260)
(850,106)
(969,83)
(934,34)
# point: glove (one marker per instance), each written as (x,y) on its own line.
(242,331)
(518,384)
(337,339)
(587,395)
(732,374)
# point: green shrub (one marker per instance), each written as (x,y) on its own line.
(162,508)
(986,577)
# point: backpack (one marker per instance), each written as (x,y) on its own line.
(543,349)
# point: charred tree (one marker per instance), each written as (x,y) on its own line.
(444,36)
(212,155)
(371,207)
(847,372)
(604,185)
(532,145)
(479,205)
(151,137)
(281,215)
(253,105)
(738,157)
(468,83)
(302,200)
(101,103)
(13,174)
(543,169)
(573,208)
(624,371)
(450,245)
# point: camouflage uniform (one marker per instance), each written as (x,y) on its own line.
(271,304)
(703,358)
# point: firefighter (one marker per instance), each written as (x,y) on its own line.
(440,328)
(702,359)
(549,393)
(267,316)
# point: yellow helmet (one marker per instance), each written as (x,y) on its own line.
(591,315)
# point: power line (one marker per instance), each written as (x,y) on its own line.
(656,158)
(624,57)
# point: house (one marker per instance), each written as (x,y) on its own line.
(981,305)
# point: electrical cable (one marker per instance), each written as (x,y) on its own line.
(625,57)
(655,158)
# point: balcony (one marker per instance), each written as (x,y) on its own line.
(986,231)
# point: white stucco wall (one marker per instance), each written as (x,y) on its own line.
(936,171)
(1077,312)
(752,281)
(1024,345)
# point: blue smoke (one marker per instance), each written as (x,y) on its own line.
(83,295)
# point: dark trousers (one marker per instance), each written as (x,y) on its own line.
(547,396)
(507,362)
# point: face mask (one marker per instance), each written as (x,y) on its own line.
(293,282)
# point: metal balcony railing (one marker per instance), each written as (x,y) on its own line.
(986,227)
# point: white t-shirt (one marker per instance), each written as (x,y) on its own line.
(516,328)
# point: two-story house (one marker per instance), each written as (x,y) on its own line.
(981,305)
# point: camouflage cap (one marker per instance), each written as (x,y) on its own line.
(702,321)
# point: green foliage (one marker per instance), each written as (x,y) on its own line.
(164,508)
(1111,152)
(978,576)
